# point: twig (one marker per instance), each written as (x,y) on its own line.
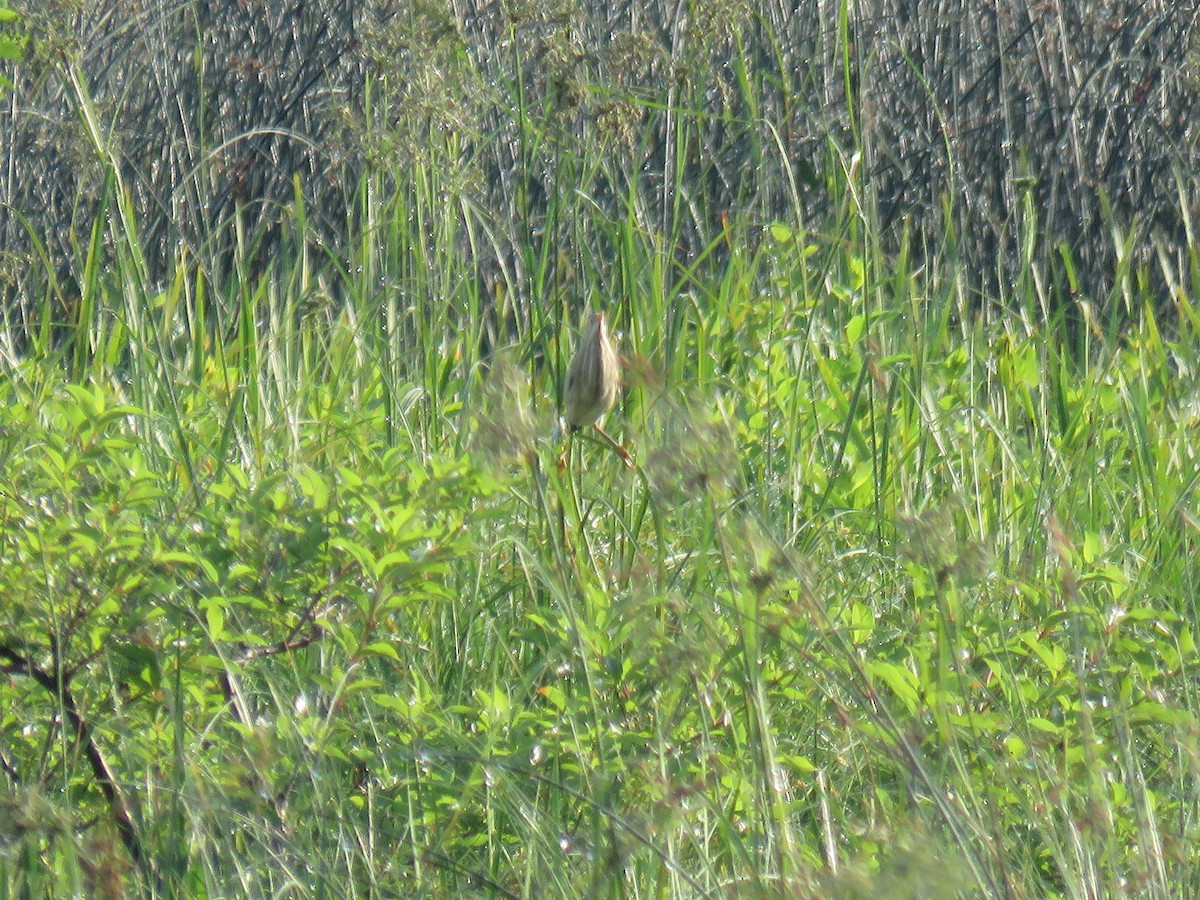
(58,684)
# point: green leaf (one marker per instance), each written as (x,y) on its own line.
(1187,646)
(901,680)
(380,648)
(1149,711)
(855,328)
(1052,657)
(356,551)
(189,559)
(91,402)
(392,702)
(314,486)
(214,616)
(1024,362)
(801,764)
(390,561)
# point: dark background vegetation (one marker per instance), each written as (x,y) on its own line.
(1003,136)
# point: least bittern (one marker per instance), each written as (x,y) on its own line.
(593,379)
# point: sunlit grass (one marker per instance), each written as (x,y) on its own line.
(896,602)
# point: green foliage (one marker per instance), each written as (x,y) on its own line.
(298,597)
(157,619)
(328,596)
(12,46)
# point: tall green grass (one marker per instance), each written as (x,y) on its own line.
(896,602)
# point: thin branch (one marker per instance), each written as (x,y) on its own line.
(58,685)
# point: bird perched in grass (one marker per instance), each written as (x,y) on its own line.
(592,382)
